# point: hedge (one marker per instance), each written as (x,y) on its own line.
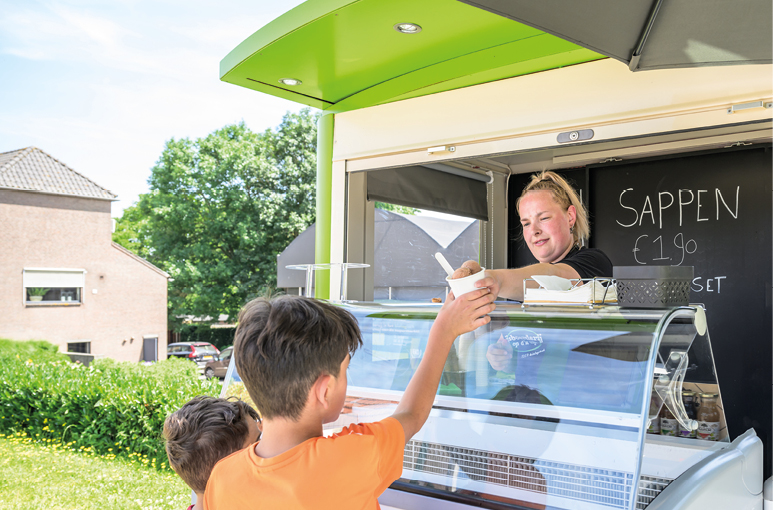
(109,407)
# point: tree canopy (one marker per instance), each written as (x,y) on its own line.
(396,208)
(221,208)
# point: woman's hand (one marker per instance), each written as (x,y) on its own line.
(508,283)
(500,354)
(491,282)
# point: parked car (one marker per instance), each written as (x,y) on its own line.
(219,366)
(199,352)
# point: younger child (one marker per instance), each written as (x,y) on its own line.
(292,354)
(203,431)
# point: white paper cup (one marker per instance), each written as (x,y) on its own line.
(467,284)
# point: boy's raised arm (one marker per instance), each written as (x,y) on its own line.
(456,317)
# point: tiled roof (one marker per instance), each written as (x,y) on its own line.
(31,169)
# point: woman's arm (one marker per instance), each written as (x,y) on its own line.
(508,283)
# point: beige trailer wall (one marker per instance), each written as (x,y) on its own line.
(631,114)
(529,111)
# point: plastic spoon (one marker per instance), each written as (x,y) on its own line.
(443,262)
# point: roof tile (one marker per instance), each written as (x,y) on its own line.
(31,169)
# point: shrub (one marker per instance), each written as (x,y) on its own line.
(35,350)
(109,407)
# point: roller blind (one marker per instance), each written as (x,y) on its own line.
(425,188)
(54,278)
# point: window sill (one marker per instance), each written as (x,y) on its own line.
(34,304)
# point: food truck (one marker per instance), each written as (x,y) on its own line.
(449,106)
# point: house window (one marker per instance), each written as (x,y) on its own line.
(82,347)
(49,286)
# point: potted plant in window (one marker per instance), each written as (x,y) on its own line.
(37,293)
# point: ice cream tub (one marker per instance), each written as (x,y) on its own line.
(467,284)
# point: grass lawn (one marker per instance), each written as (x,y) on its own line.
(41,475)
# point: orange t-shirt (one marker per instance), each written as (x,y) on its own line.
(348,470)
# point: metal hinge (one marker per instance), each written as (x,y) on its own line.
(748,106)
(441,148)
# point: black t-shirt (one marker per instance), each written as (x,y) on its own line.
(588,262)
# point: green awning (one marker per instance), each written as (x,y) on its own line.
(348,55)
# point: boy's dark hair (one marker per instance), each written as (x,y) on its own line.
(282,346)
(203,431)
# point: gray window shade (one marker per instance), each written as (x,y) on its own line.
(424,188)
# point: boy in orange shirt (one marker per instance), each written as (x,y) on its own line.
(292,354)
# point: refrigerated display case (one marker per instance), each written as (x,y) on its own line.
(562,423)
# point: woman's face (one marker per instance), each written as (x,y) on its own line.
(546,226)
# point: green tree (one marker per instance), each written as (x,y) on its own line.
(221,208)
(131,231)
(396,208)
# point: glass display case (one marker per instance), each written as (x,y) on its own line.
(549,407)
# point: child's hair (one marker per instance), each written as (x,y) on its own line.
(203,431)
(283,345)
(564,195)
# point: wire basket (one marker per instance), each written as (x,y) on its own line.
(653,286)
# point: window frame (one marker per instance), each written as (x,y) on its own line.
(86,342)
(77,273)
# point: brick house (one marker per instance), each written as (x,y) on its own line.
(94,296)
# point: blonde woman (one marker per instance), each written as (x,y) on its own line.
(556,229)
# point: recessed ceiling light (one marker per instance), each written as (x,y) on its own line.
(407,28)
(290,81)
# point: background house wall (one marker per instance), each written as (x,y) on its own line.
(124,298)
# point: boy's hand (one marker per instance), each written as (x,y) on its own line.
(465,313)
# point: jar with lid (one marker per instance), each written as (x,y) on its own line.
(668,423)
(688,399)
(708,417)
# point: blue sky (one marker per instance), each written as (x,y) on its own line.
(102,85)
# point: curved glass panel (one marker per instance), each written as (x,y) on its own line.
(541,408)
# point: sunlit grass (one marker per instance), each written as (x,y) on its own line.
(39,473)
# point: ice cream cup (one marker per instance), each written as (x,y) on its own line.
(467,284)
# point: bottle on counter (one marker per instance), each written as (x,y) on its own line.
(688,399)
(654,426)
(668,423)
(708,417)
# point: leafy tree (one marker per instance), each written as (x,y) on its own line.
(131,231)
(396,208)
(221,208)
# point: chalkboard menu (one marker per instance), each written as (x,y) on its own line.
(710,210)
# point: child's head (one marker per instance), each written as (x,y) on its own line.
(284,345)
(205,430)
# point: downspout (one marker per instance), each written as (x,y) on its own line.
(325,129)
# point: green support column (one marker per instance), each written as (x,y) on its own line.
(325,128)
